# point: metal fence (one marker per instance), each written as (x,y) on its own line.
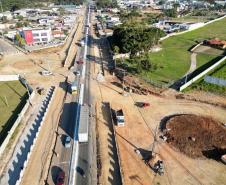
(215,80)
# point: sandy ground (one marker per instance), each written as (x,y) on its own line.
(140,123)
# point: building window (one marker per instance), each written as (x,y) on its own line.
(36,40)
(43,34)
(35,34)
(44,39)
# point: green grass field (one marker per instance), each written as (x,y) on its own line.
(202,59)
(220,72)
(12,98)
(174,58)
(190,18)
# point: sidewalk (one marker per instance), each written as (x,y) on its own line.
(36,168)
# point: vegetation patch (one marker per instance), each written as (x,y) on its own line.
(175,56)
(174,60)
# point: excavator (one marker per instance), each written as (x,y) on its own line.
(151,158)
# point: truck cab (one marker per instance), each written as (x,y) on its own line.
(74,87)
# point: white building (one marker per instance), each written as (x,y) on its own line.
(69,20)
(46,21)
(7,14)
(21,12)
(41,36)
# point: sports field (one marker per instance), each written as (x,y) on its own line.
(174,58)
(12,98)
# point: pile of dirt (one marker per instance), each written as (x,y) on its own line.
(197,136)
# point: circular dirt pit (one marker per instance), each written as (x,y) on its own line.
(197,136)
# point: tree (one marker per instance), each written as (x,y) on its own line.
(116,50)
(135,38)
(19,40)
(4,19)
(62,11)
(19,24)
(171,12)
(20,17)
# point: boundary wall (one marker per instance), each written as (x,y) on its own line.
(202,74)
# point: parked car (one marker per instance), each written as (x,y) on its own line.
(60,178)
(80,62)
(67,142)
(81,171)
(46,73)
(77,73)
(142,104)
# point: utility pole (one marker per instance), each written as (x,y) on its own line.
(29,94)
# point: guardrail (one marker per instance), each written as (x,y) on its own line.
(18,163)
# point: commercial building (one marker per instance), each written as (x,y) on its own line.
(36,35)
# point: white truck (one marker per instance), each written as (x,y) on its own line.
(83,130)
(120,117)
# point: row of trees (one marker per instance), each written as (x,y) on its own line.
(135,38)
(106,3)
(13,5)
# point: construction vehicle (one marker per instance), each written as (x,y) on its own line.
(40,90)
(120,117)
(74,87)
(151,158)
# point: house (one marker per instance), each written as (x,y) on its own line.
(69,20)
(45,21)
(216,43)
(6,14)
(58,34)
(21,12)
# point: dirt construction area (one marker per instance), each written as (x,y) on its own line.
(197,136)
(142,128)
(138,133)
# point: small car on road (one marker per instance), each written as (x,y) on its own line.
(60,178)
(80,62)
(67,142)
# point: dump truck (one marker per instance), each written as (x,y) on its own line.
(120,117)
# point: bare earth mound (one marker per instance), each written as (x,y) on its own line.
(197,136)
